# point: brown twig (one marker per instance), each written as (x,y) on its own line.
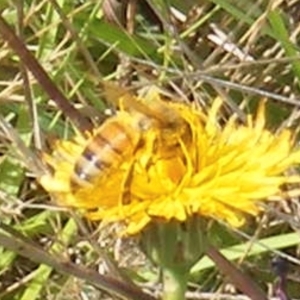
(16,242)
(240,280)
(42,77)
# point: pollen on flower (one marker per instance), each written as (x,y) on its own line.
(170,161)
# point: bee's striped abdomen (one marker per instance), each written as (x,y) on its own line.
(112,143)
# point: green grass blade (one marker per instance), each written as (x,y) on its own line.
(281,33)
(262,246)
(42,273)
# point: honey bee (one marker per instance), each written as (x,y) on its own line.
(120,136)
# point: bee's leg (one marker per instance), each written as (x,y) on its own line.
(128,177)
(126,185)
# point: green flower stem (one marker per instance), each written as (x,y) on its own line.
(174,283)
(175,247)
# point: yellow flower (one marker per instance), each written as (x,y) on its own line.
(188,166)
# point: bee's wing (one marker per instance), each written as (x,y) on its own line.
(153,106)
